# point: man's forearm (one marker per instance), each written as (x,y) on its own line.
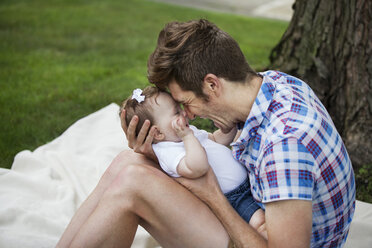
(223,138)
(241,233)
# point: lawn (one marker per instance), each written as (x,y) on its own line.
(61,60)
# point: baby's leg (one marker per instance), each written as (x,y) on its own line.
(242,201)
(258,222)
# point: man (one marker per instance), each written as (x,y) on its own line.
(298,166)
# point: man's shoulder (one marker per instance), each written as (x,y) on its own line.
(278,76)
(295,110)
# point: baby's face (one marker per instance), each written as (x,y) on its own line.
(166,110)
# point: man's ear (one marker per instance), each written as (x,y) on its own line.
(212,85)
(158,136)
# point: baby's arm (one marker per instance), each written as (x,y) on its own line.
(195,163)
(223,138)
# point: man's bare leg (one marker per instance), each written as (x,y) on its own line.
(142,194)
(90,204)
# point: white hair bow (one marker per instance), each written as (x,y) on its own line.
(137,95)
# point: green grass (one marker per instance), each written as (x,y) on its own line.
(61,60)
(363,180)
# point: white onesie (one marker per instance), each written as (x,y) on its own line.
(229,172)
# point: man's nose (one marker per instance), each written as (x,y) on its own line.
(189,115)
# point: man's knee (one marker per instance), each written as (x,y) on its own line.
(120,162)
(132,174)
(128,156)
(127,184)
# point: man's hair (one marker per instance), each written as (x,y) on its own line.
(188,51)
(143,110)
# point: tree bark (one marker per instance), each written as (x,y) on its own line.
(328,44)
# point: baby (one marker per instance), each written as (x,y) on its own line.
(183,150)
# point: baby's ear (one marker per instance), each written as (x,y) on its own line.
(158,135)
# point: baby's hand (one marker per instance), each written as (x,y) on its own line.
(181,127)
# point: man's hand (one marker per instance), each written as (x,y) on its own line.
(288,222)
(140,144)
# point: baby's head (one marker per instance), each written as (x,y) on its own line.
(143,109)
(158,107)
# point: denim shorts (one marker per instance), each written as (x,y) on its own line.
(242,201)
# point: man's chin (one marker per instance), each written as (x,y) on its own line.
(223,129)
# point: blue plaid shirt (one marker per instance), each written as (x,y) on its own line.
(292,150)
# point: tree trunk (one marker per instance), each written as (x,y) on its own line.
(328,44)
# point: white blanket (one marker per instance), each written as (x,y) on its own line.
(41,192)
